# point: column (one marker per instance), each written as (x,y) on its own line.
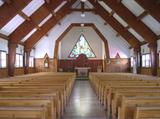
(26,64)
(153,51)
(11,58)
(138,59)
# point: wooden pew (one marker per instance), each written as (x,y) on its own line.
(52,90)
(110,88)
(147,112)
(128,105)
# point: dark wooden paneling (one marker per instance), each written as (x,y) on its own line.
(69,65)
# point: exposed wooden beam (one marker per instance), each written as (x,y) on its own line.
(4,36)
(142,15)
(8,1)
(28,18)
(47,1)
(39,28)
(59,39)
(27,26)
(132,40)
(112,13)
(131,19)
(22,14)
(127,27)
(143,43)
(158,2)
(80,10)
(8,11)
(82,6)
(118,1)
(152,6)
(48,25)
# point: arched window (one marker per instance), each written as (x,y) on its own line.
(46,61)
(82,47)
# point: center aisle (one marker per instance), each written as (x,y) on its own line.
(84,103)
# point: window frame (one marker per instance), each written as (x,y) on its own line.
(82,35)
(20,63)
(31,61)
(131,61)
(144,61)
(2,59)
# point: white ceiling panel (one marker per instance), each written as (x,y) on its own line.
(153,24)
(133,6)
(12,25)
(1,2)
(120,20)
(33,6)
(106,7)
(45,20)
(60,6)
(28,35)
(139,37)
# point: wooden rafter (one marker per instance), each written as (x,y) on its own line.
(27,26)
(8,1)
(8,11)
(80,10)
(4,36)
(142,15)
(48,25)
(59,39)
(128,16)
(133,41)
(22,14)
(152,6)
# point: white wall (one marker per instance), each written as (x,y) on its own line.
(116,44)
(69,41)
(3,45)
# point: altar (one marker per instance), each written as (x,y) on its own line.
(82,72)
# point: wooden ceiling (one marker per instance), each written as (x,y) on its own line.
(11,8)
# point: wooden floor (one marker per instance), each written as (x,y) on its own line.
(83,103)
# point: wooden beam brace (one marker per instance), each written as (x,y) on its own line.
(80,10)
(22,14)
(131,19)
(28,18)
(142,15)
(4,36)
(112,13)
(127,27)
(8,11)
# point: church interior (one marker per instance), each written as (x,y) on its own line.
(79,59)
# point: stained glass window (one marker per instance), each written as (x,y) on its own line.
(82,47)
